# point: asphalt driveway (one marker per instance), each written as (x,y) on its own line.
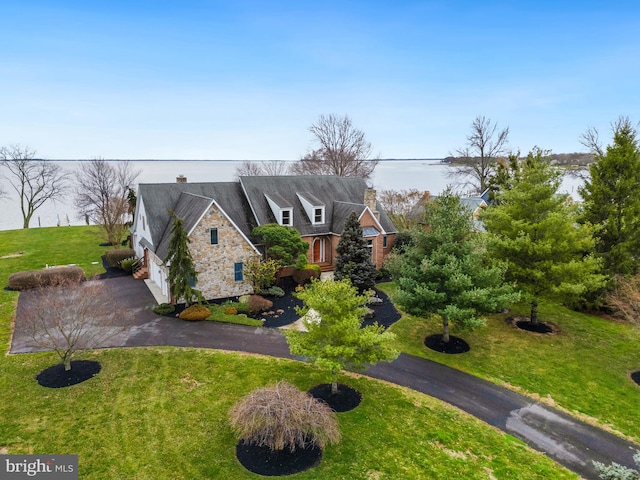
(570,442)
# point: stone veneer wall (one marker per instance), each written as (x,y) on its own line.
(214,263)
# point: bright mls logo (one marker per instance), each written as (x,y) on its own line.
(50,467)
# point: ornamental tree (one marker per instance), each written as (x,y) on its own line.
(182,270)
(444,269)
(337,339)
(535,231)
(282,244)
(353,260)
(612,199)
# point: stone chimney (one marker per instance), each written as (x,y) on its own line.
(370,200)
(181,179)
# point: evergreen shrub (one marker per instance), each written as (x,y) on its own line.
(195,313)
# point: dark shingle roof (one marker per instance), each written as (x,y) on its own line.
(324,189)
(160,198)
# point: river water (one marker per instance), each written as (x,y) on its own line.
(428,175)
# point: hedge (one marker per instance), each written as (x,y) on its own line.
(115,257)
(45,277)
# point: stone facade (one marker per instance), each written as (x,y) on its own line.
(215,263)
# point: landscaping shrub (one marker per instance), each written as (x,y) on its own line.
(127,265)
(258,304)
(45,277)
(195,313)
(231,311)
(274,292)
(164,309)
(302,277)
(115,257)
(282,417)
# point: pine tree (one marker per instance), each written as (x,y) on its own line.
(534,230)
(443,270)
(612,200)
(182,272)
(353,259)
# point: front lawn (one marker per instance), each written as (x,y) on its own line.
(584,368)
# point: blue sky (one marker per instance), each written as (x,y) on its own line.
(241,80)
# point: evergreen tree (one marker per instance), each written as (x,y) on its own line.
(443,270)
(353,260)
(337,340)
(283,244)
(535,231)
(612,200)
(182,271)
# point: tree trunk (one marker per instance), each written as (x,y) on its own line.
(534,312)
(67,363)
(445,329)
(334,384)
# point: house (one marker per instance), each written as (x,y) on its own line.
(220,216)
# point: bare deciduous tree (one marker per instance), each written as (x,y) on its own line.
(282,417)
(71,316)
(271,168)
(343,150)
(398,204)
(485,144)
(102,194)
(35,181)
(624,298)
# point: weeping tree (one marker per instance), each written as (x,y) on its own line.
(283,417)
(182,270)
(353,259)
(337,339)
(444,269)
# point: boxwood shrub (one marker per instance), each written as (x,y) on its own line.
(195,313)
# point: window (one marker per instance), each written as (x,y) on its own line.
(370,245)
(318,215)
(213,232)
(237,272)
(384,242)
(286,217)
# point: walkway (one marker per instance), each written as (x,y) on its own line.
(570,442)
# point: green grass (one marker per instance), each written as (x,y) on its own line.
(583,369)
(218,315)
(161,413)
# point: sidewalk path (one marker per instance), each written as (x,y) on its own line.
(570,442)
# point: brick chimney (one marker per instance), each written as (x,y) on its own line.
(370,200)
(181,179)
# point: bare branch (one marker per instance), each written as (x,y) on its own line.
(102,194)
(35,181)
(272,168)
(485,145)
(343,150)
(71,316)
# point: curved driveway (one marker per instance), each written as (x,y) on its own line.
(570,442)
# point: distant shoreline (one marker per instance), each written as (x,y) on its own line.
(225,160)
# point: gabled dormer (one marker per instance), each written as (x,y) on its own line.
(281,209)
(314,208)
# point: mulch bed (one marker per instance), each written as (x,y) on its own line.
(453,346)
(110,271)
(635,376)
(57,377)
(524,323)
(284,309)
(346,399)
(272,463)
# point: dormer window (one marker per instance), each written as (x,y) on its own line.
(282,210)
(285,218)
(313,207)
